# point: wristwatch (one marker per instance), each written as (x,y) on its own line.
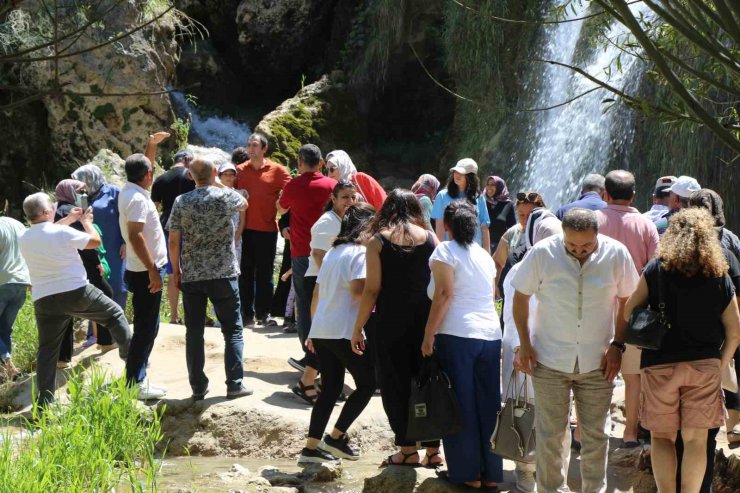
(619,345)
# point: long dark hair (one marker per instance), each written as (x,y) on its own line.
(400,210)
(462,220)
(472,189)
(341,185)
(355,224)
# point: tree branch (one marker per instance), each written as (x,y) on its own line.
(731,25)
(532,23)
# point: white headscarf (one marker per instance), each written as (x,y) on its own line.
(344,164)
(91,176)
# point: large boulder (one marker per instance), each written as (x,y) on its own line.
(281,41)
(324,113)
(203,72)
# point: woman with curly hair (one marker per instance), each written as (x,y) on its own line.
(681,385)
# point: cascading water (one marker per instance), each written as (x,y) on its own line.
(579,137)
(222,132)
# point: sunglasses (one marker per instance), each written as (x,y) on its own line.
(331,169)
(528,197)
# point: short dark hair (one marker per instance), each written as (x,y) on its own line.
(239,155)
(184,156)
(341,185)
(462,219)
(578,219)
(620,184)
(310,155)
(355,224)
(136,167)
(259,136)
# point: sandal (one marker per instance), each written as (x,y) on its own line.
(734,443)
(389,461)
(300,391)
(433,465)
(445,476)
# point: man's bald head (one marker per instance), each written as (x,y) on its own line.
(203,171)
(620,185)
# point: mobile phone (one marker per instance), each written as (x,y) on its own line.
(82,201)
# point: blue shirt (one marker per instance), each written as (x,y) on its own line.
(589,200)
(443,199)
(105,210)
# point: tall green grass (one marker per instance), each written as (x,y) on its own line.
(100,441)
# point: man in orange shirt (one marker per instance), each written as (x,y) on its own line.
(263,179)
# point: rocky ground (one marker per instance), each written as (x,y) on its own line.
(269,427)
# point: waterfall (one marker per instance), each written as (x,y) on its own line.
(583,136)
(210,129)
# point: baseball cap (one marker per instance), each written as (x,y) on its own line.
(465,166)
(310,154)
(684,186)
(226,167)
(664,183)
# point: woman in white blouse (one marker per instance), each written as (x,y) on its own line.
(463,331)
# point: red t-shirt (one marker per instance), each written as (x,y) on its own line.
(305,196)
(370,189)
(264,187)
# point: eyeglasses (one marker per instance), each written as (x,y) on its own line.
(532,197)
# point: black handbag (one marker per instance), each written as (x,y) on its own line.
(647,327)
(433,408)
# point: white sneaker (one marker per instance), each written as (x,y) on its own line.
(147,391)
(525,482)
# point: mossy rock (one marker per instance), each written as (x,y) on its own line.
(324,113)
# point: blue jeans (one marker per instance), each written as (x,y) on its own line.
(473,366)
(303,293)
(12,297)
(146,323)
(224,294)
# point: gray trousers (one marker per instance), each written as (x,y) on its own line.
(593,395)
(53,312)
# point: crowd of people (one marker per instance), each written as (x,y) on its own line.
(377,282)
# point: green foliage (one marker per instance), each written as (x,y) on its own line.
(25,337)
(180,131)
(290,131)
(102,440)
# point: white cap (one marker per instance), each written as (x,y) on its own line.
(226,167)
(465,166)
(685,186)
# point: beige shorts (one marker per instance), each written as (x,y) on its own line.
(631,360)
(682,395)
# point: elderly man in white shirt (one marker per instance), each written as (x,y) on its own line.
(60,289)
(582,281)
(146,257)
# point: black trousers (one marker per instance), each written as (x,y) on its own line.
(399,333)
(706,484)
(336,355)
(66,351)
(257,264)
(282,290)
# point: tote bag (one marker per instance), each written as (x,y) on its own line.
(434,411)
(514,435)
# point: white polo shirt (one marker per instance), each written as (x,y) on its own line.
(576,305)
(53,261)
(136,206)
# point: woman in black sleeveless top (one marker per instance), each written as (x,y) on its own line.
(397,278)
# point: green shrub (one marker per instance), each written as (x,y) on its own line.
(25,338)
(101,440)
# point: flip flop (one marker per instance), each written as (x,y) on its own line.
(388,461)
(300,391)
(735,443)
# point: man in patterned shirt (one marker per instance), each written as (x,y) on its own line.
(206,268)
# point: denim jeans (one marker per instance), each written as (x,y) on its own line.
(303,292)
(257,266)
(53,314)
(146,322)
(12,297)
(473,367)
(224,295)
(593,396)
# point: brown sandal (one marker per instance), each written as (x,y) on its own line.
(389,461)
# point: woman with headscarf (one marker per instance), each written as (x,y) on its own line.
(68,193)
(501,210)
(103,198)
(339,166)
(425,190)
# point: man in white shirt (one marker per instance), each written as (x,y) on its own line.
(60,289)
(146,257)
(661,198)
(582,281)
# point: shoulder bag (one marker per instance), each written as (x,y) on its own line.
(514,435)
(647,327)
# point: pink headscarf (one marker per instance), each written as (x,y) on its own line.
(426,186)
(502,192)
(66,191)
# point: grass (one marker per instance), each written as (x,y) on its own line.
(101,441)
